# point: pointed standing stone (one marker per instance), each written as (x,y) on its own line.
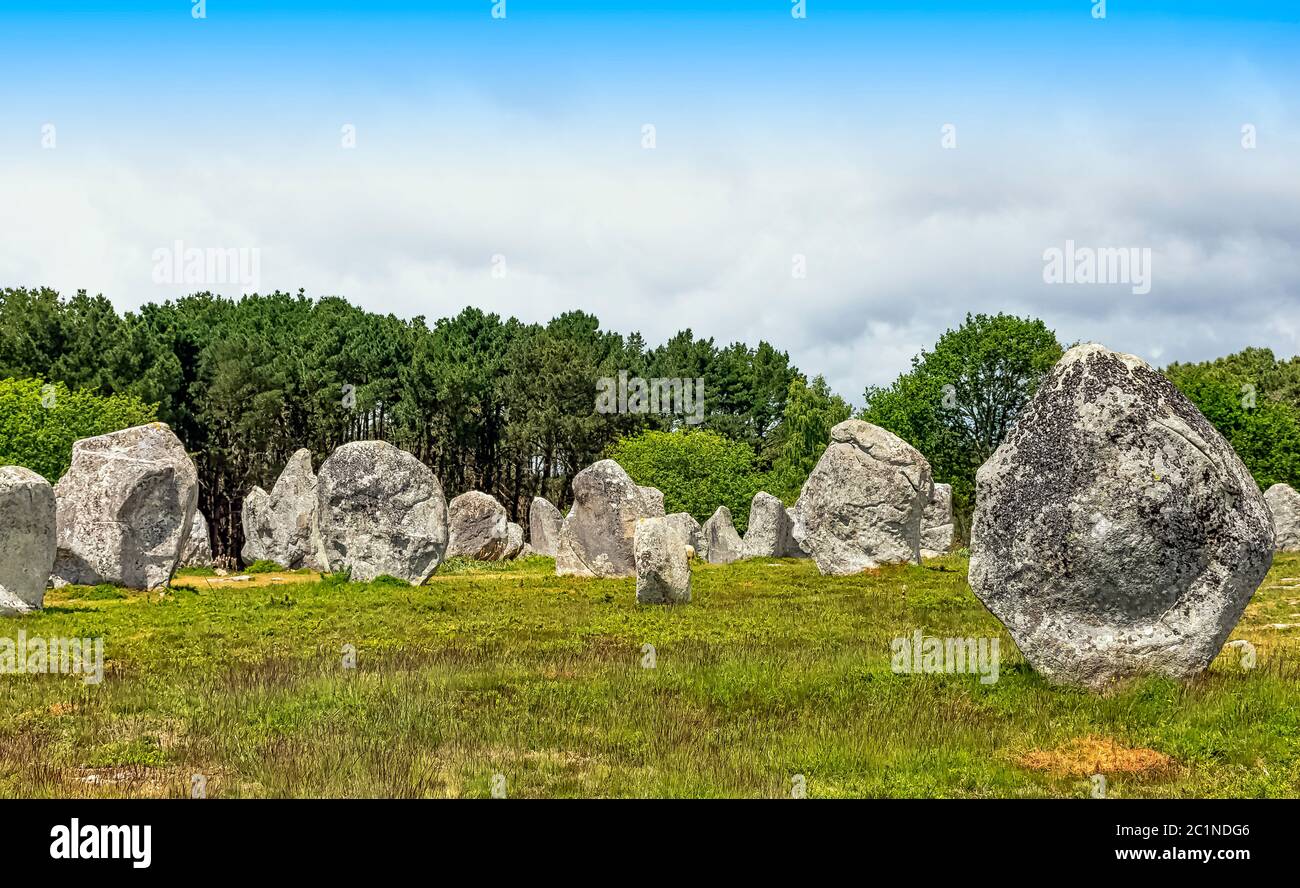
(721,541)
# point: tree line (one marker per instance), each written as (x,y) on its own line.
(489,403)
(510,408)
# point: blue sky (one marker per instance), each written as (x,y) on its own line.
(820,137)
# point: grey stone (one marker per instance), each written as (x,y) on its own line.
(771,530)
(596,538)
(198,548)
(936,523)
(255,515)
(28,539)
(721,542)
(382,511)
(1284,506)
(125,508)
(861,506)
(663,575)
(653,499)
(544,522)
(514,540)
(689,529)
(478,526)
(1116,533)
(284,526)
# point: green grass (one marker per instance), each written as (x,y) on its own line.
(772,671)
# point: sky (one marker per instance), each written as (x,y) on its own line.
(846,185)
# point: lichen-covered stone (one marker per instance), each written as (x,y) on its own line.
(1116,533)
(770,533)
(936,523)
(514,541)
(1284,507)
(722,543)
(283,526)
(198,548)
(861,506)
(663,574)
(124,508)
(479,527)
(596,537)
(544,521)
(28,539)
(382,511)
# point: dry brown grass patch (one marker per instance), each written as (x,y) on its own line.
(1096,755)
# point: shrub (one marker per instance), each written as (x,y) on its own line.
(388,580)
(264,566)
(39,422)
(1263,428)
(696,470)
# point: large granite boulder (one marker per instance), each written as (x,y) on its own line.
(936,523)
(514,541)
(1116,533)
(771,530)
(28,539)
(198,547)
(663,575)
(1284,506)
(596,536)
(382,511)
(544,522)
(722,545)
(125,508)
(478,526)
(861,506)
(283,526)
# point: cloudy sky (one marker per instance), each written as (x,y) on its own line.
(915,160)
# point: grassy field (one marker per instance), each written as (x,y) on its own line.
(772,673)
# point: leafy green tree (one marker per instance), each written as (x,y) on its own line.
(1247,398)
(39,422)
(959,400)
(696,470)
(811,411)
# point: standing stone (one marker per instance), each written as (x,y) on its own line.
(514,541)
(1284,505)
(771,531)
(721,542)
(936,523)
(663,575)
(597,535)
(690,531)
(861,506)
(382,511)
(198,548)
(1116,533)
(653,499)
(28,539)
(295,523)
(255,515)
(283,526)
(544,522)
(125,508)
(478,526)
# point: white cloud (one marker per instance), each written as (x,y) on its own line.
(900,244)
